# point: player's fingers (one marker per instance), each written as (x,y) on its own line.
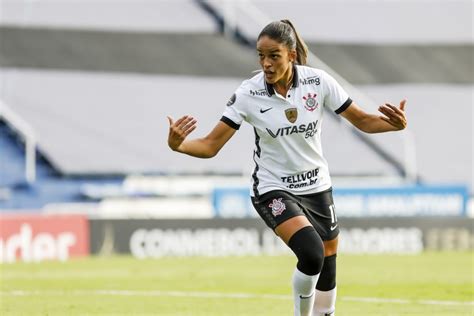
(170,120)
(386,119)
(402,104)
(386,111)
(394,114)
(393,108)
(394,119)
(180,120)
(184,122)
(394,122)
(389,113)
(190,130)
(188,126)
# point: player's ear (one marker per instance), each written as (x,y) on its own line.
(292,55)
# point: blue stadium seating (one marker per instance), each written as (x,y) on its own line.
(12,160)
(49,187)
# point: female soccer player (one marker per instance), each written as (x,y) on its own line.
(291,185)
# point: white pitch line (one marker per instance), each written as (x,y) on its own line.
(376,300)
(193,294)
(432,302)
(147,293)
(227,295)
(404,301)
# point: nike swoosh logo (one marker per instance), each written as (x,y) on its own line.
(263,111)
(306,297)
(333,227)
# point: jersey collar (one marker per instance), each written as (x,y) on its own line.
(271,90)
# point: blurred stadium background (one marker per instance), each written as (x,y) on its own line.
(85,88)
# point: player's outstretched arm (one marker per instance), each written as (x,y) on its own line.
(205,147)
(392,119)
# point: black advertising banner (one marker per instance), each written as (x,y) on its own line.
(155,238)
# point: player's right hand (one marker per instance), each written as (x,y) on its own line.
(179,130)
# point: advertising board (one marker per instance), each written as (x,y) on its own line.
(420,200)
(34,238)
(237,237)
(402,201)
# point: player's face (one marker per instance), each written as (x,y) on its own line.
(274,59)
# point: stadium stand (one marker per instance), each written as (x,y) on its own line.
(185,53)
(97,87)
(15,191)
(116,125)
(12,159)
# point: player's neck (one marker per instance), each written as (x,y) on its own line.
(282,86)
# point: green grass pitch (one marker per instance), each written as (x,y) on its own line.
(427,284)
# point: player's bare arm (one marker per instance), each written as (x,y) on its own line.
(205,147)
(392,119)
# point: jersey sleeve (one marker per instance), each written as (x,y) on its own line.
(336,98)
(234,113)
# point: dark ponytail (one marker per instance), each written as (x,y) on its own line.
(284,32)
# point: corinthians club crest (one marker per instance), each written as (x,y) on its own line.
(311,104)
(277,207)
(291,114)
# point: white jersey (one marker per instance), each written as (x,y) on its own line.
(288,154)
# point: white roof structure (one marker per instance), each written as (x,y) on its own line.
(128,15)
(358,21)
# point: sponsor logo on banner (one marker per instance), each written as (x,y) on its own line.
(381,240)
(34,238)
(155,243)
(401,201)
(153,238)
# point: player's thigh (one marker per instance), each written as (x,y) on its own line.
(320,210)
(282,212)
(330,247)
(288,228)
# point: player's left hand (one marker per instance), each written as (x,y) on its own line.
(393,115)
